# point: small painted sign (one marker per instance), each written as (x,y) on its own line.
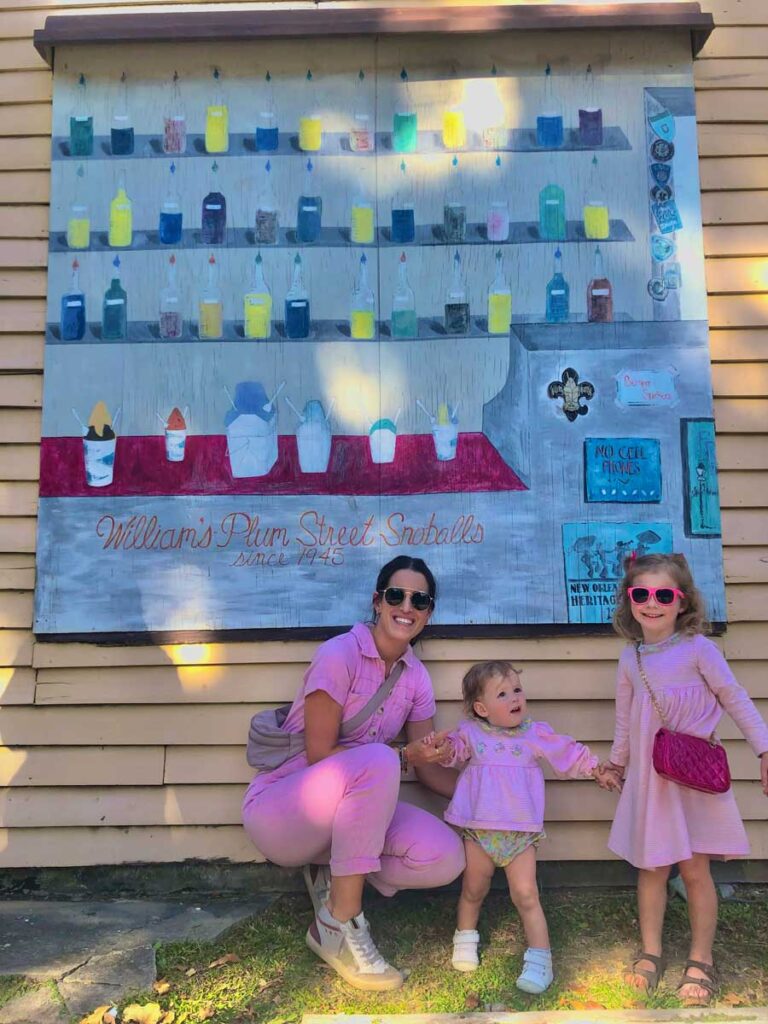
(701,498)
(667,216)
(594,555)
(624,469)
(647,387)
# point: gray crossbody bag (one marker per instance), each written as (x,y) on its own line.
(269,745)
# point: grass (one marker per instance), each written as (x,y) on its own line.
(12,986)
(272,978)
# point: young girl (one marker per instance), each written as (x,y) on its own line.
(660,823)
(499,804)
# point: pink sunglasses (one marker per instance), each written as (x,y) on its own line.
(663,595)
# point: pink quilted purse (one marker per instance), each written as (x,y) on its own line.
(687,760)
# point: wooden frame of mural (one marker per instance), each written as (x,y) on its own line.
(323,295)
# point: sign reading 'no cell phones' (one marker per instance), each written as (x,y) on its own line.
(622,469)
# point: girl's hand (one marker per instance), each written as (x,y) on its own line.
(764,771)
(434,748)
(609,776)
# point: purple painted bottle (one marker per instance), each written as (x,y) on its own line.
(214,215)
(590,116)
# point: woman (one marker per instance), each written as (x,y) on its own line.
(338,801)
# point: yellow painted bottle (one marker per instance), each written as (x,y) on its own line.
(363,310)
(121,217)
(78,227)
(310,133)
(362,225)
(454,129)
(257,305)
(499,302)
(210,309)
(596,220)
(217,120)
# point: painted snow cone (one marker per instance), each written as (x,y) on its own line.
(175,436)
(313,438)
(251,426)
(445,433)
(99,446)
(382,438)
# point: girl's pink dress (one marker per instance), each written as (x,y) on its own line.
(658,822)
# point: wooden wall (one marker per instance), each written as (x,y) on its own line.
(114,755)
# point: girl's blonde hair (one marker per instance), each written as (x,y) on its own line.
(473,683)
(693,614)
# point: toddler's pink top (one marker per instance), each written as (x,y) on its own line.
(350,669)
(658,822)
(501,785)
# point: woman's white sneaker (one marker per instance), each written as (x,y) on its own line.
(348,948)
(536,976)
(465,950)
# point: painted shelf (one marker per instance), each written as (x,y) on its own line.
(520,233)
(144,332)
(141,468)
(520,140)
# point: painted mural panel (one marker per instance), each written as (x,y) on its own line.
(312,306)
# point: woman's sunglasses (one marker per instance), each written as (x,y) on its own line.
(663,595)
(395,596)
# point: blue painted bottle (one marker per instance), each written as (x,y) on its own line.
(309,215)
(297,305)
(549,125)
(214,216)
(170,225)
(558,294)
(403,215)
(73,309)
(266,126)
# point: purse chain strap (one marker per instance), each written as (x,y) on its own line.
(654,700)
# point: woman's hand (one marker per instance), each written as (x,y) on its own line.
(764,771)
(434,748)
(608,777)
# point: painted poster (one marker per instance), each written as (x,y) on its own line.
(313,307)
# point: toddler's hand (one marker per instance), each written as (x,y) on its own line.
(609,776)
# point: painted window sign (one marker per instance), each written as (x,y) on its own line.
(647,387)
(313,307)
(622,469)
(594,556)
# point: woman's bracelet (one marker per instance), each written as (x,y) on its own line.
(402,753)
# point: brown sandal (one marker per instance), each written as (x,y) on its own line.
(708,983)
(651,978)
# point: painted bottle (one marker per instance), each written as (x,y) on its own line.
(499,301)
(552,225)
(405,123)
(497,215)
(114,311)
(121,217)
(454,208)
(267,225)
(257,305)
(549,124)
(214,214)
(361,135)
(171,322)
(81,123)
(121,137)
(362,320)
(590,115)
(297,304)
(494,121)
(362,226)
(405,323)
(597,222)
(454,129)
(73,309)
(558,294)
(170,224)
(311,124)
(210,307)
(267,135)
(456,304)
(79,223)
(403,216)
(599,293)
(175,122)
(309,215)
(217,119)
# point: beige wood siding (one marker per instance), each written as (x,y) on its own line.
(114,755)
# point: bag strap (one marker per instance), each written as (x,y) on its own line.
(654,700)
(381,694)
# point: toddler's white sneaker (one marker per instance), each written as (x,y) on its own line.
(536,976)
(465,950)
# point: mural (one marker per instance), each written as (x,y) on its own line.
(311,307)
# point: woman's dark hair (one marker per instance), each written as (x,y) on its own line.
(406,562)
(415,565)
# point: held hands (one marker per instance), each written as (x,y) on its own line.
(609,776)
(434,748)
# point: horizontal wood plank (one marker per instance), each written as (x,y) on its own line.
(20,187)
(19,426)
(26,119)
(747,208)
(727,42)
(18,499)
(32,153)
(744,346)
(744,490)
(81,766)
(738,451)
(20,390)
(736,12)
(734,172)
(17,534)
(733,275)
(732,105)
(17,686)
(15,647)
(734,380)
(733,139)
(21,352)
(741,415)
(22,283)
(20,55)
(26,87)
(19,461)
(24,252)
(731,74)
(735,310)
(745,526)
(23,221)
(17,572)
(16,609)
(746,565)
(747,602)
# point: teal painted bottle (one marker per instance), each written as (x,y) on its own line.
(114,318)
